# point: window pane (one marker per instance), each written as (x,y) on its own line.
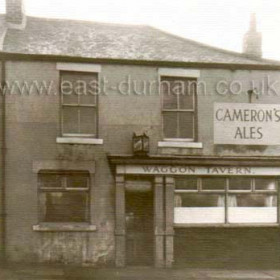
(71,98)
(186,101)
(253,200)
(216,183)
(70,120)
(252,208)
(186,98)
(199,208)
(89,96)
(239,183)
(88,99)
(88,120)
(170,124)
(201,200)
(169,97)
(67,88)
(265,184)
(186,125)
(77,181)
(64,206)
(50,181)
(189,183)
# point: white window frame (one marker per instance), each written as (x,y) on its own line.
(193,110)
(180,142)
(79,138)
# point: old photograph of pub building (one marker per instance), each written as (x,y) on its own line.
(125,145)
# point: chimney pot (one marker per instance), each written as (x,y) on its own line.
(252,42)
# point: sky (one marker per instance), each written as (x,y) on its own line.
(220,23)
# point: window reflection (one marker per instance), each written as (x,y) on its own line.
(265,184)
(252,200)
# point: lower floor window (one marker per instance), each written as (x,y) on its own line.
(64,196)
(225,200)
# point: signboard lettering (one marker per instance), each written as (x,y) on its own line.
(246,124)
(198,170)
(188,170)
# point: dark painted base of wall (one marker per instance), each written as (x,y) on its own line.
(233,248)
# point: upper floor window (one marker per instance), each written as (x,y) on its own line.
(79,103)
(179,108)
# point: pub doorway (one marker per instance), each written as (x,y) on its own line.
(139,227)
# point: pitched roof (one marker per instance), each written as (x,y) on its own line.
(114,41)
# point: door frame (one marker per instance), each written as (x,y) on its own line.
(163,188)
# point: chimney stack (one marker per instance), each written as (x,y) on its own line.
(252,42)
(15,15)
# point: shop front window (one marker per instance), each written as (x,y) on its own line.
(256,204)
(229,200)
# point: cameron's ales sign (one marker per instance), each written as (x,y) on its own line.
(246,124)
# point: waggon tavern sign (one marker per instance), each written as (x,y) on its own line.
(246,124)
(197,170)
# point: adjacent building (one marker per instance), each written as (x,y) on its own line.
(126,145)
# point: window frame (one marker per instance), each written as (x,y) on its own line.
(78,105)
(227,192)
(64,189)
(194,110)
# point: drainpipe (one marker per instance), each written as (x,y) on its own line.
(3,165)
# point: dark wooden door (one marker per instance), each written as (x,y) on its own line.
(139,227)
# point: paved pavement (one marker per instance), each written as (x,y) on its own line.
(20,272)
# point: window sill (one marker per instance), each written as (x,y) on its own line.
(47,227)
(252,225)
(79,140)
(180,144)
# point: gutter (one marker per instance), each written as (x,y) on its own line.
(195,160)
(3,164)
(154,63)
